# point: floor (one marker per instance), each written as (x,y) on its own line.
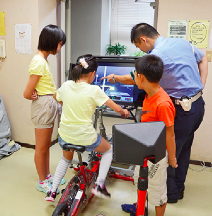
(18,194)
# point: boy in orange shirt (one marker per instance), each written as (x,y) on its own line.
(157,106)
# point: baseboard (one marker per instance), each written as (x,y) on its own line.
(195,162)
(26,145)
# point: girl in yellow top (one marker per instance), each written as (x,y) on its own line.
(79,100)
(40,88)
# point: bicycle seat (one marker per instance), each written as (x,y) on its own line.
(68,147)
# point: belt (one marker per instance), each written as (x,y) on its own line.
(194,98)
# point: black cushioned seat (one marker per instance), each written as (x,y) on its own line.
(68,147)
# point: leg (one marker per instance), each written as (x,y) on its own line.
(186,123)
(43,138)
(106,150)
(183,163)
(160,210)
(107,154)
(48,153)
(61,169)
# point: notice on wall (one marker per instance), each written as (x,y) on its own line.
(23,39)
(210,46)
(198,33)
(2,27)
(177,29)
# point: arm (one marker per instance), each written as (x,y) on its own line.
(117,108)
(171,147)
(124,79)
(30,93)
(203,69)
(54,96)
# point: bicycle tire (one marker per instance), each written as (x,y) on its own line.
(61,210)
(67,191)
(75,208)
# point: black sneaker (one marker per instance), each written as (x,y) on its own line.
(100,191)
(50,196)
(180,194)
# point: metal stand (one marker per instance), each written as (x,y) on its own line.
(142,189)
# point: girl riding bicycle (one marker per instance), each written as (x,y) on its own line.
(79,100)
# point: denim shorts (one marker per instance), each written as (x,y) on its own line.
(88,147)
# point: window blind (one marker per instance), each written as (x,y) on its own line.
(124,15)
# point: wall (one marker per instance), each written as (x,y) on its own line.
(192,10)
(89,27)
(14,69)
(105,25)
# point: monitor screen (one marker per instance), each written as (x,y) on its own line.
(119,93)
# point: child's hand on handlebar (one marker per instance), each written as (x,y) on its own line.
(126,113)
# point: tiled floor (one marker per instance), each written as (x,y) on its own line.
(18,194)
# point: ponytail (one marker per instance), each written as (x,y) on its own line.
(76,73)
(85,64)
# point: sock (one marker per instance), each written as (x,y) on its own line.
(59,173)
(104,166)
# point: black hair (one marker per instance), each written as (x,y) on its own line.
(143,29)
(49,38)
(151,67)
(79,69)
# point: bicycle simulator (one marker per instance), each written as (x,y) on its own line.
(133,144)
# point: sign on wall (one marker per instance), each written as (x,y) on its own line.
(23,39)
(198,33)
(177,29)
(2,27)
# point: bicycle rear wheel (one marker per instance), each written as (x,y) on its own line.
(61,210)
(76,206)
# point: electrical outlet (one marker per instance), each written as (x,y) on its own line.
(2,49)
(209,55)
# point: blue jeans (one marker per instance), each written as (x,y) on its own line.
(185,124)
(88,147)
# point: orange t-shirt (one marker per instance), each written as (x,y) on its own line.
(158,108)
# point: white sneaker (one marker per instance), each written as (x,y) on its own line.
(45,186)
(51,177)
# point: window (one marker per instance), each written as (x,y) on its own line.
(124,15)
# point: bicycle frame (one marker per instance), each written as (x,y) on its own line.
(77,193)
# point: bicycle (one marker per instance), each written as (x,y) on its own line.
(77,193)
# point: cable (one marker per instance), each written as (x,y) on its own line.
(203,167)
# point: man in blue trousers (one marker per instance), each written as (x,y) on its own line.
(184,77)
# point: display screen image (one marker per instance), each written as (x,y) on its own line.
(119,93)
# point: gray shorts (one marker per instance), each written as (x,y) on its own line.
(44,111)
(89,148)
(157,177)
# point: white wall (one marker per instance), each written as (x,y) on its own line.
(192,10)
(89,27)
(14,69)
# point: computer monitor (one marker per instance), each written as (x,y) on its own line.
(120,65)
(119,93)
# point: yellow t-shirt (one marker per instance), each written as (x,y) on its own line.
(79,103)
(39,66)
